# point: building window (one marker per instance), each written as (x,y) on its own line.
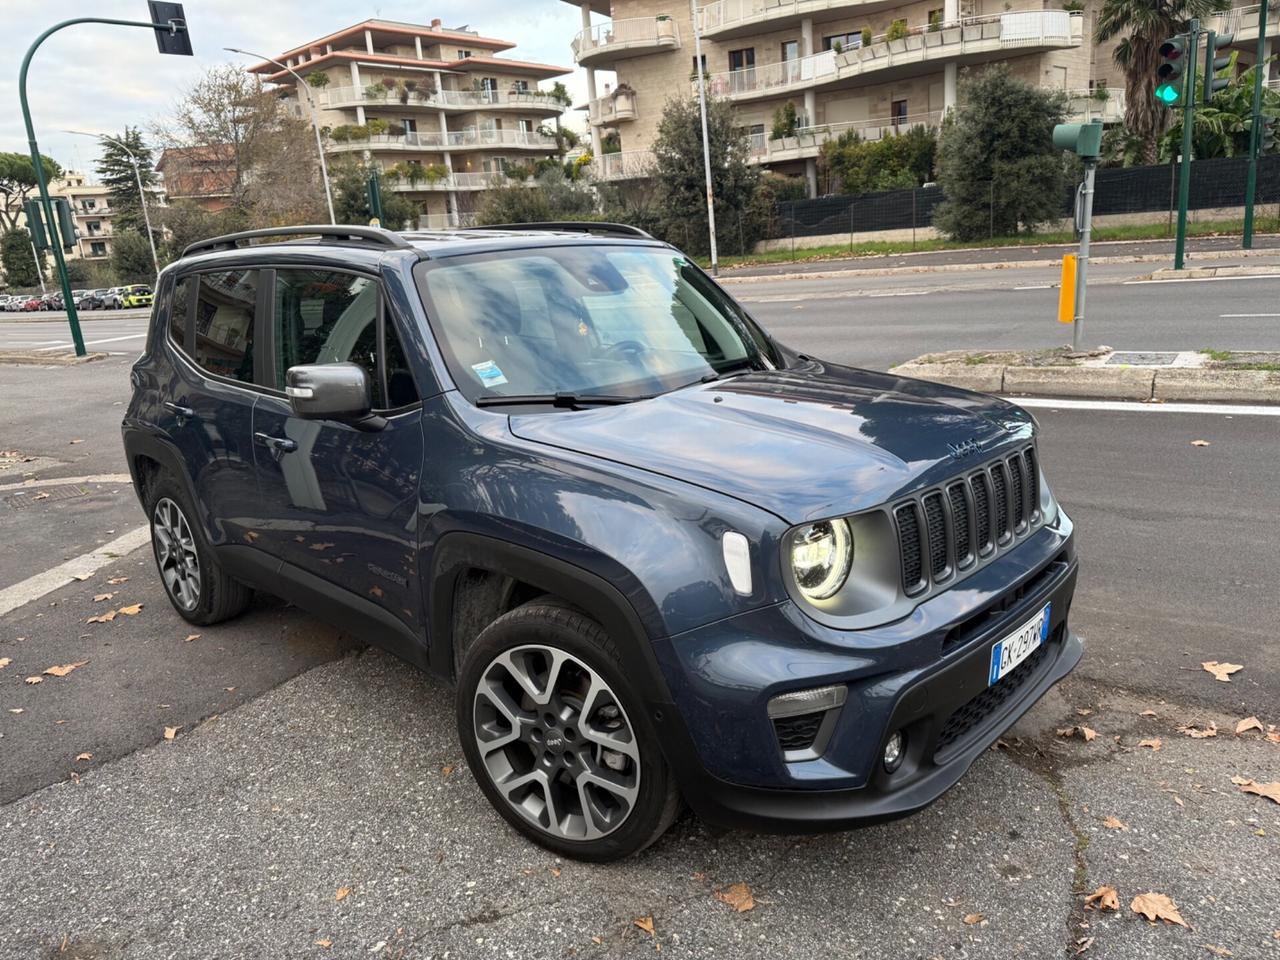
(847,41)
(489,87)
(90,203)
(95,227)
(520,86)
(693,66)
(790,50)
(464,54)
(97,249)
(744,59)
(410,125)
(935,17)
(526,126)
(899,112)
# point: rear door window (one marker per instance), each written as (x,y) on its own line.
(226,305)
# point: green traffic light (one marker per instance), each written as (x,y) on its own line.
(1167,94)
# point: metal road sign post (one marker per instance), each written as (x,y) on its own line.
(171,37)
(1188,128)
(1085,140)
(1255,131)
(1084,218)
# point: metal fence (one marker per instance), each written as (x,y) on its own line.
(1119,190)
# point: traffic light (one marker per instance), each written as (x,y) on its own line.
(1171,74)
(66,224)
(1082,139)
(35,224)
(1213,64)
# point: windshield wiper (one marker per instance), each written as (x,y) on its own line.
(570,401)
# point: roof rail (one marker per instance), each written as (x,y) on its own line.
(372,236)
(585,226)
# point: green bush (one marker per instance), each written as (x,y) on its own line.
(897,30)
(318,80)
(784,121)
(376,90)
(850,164)
(866,36)
(376,126)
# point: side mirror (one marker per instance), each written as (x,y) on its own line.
(330,391)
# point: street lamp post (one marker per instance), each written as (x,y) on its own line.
(305,88)
(142,194)
(706,143)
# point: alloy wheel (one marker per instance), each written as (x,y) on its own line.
(556,742)
(176,553)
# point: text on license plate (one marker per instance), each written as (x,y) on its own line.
(1019,645)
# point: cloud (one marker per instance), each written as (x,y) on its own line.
(99,78)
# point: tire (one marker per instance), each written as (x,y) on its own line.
(573,677)
(193,580)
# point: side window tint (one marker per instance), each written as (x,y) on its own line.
(177,306)
(401,390)
(225,307)
(324,316)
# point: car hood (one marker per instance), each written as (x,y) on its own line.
(804,443)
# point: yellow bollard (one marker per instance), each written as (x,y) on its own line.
(1067,292)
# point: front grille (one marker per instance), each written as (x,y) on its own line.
(798,733)
(969,716)
(935,536)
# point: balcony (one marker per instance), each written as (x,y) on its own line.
(807,142)
(614,39)
(629,165)
(1085,105)
(460,182)
(472,138)
(732,18)
(775,79)
(617,107)
(349,97)
(1243,23)
(970,40)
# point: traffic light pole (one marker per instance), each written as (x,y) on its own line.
(1188,125)
(1255,131)
(46,202)
(1082,260)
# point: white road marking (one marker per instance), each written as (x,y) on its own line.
(1260,276)
(1224,316)
(1038,286)
(77,568)
(1133,406)
(67,481)
(91,343)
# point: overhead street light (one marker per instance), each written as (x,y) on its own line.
(142,194)
(305,88)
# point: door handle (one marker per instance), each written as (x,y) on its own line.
(182,413)
(278,446)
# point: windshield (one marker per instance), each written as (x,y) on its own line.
(624,321)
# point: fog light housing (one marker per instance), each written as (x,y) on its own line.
(803,720)
(895,749)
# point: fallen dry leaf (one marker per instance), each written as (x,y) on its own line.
(1157,906)
(1112,823)
(1222,671)
(326,943)
(191,636)
(1269,790)
(1104,898)
(99,597)
(1083,944)
(737,896)
(446,770)
(1083,712)
(64,669)
(171,732)
(645,924)
(4,662)
(972,918)
(103,617)
(555,871)
(84,756)
(15,709)
(251,535)
(1273,735)
(1199,733)
(1148,713)
(1199,443)
(1217,951)
(117,580)
(34,680)
(75,441)
(132,610)
(342,893)
(1249,723)
(320,546)
(1086,733)
(1153,743)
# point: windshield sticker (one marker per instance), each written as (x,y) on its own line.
(489,373)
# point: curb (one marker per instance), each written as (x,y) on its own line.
(48,359)
(1104,383)
(727,277)
(1206,273)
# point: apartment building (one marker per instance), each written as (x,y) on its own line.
(91,210)
(873,66)
(443,113)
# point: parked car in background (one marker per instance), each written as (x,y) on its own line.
(111,301)
(77,296)
(94,299)
(32,304)
(51,301)
(138,295)
(12,303)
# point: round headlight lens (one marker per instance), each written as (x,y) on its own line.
(821,554)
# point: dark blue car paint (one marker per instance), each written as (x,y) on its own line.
(622,511)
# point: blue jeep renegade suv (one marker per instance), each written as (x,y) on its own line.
(662,556)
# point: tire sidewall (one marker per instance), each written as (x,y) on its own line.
(646,820)
(166,487)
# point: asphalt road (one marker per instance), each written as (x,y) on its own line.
(303,764)
(104,331)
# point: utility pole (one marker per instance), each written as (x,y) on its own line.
(304,89)
(1255,131)
(706,143)
(1188,125)
(142,194)
(170,27)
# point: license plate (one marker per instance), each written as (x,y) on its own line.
(1017,646)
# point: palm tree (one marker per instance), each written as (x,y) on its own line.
(1145,24)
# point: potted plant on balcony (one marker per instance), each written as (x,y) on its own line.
(434,172)
(376,90)
(666,27)
(624,100)
(319,80)
(402,92)
(866,36)
(376,127)
(896,36)
(785,122)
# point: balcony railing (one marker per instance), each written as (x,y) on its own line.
(729,14)
(453,140)
(629,165)
(1086,105)
(483,180)
(337,97)
(614,108)
(774,78)
(1242,22)
(618,37)
(806,141)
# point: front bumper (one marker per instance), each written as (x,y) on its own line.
(926,675)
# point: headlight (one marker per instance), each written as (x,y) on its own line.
(821,554)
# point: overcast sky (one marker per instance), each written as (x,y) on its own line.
(99,78)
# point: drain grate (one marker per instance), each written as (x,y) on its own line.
(27,498)
(1134,358)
